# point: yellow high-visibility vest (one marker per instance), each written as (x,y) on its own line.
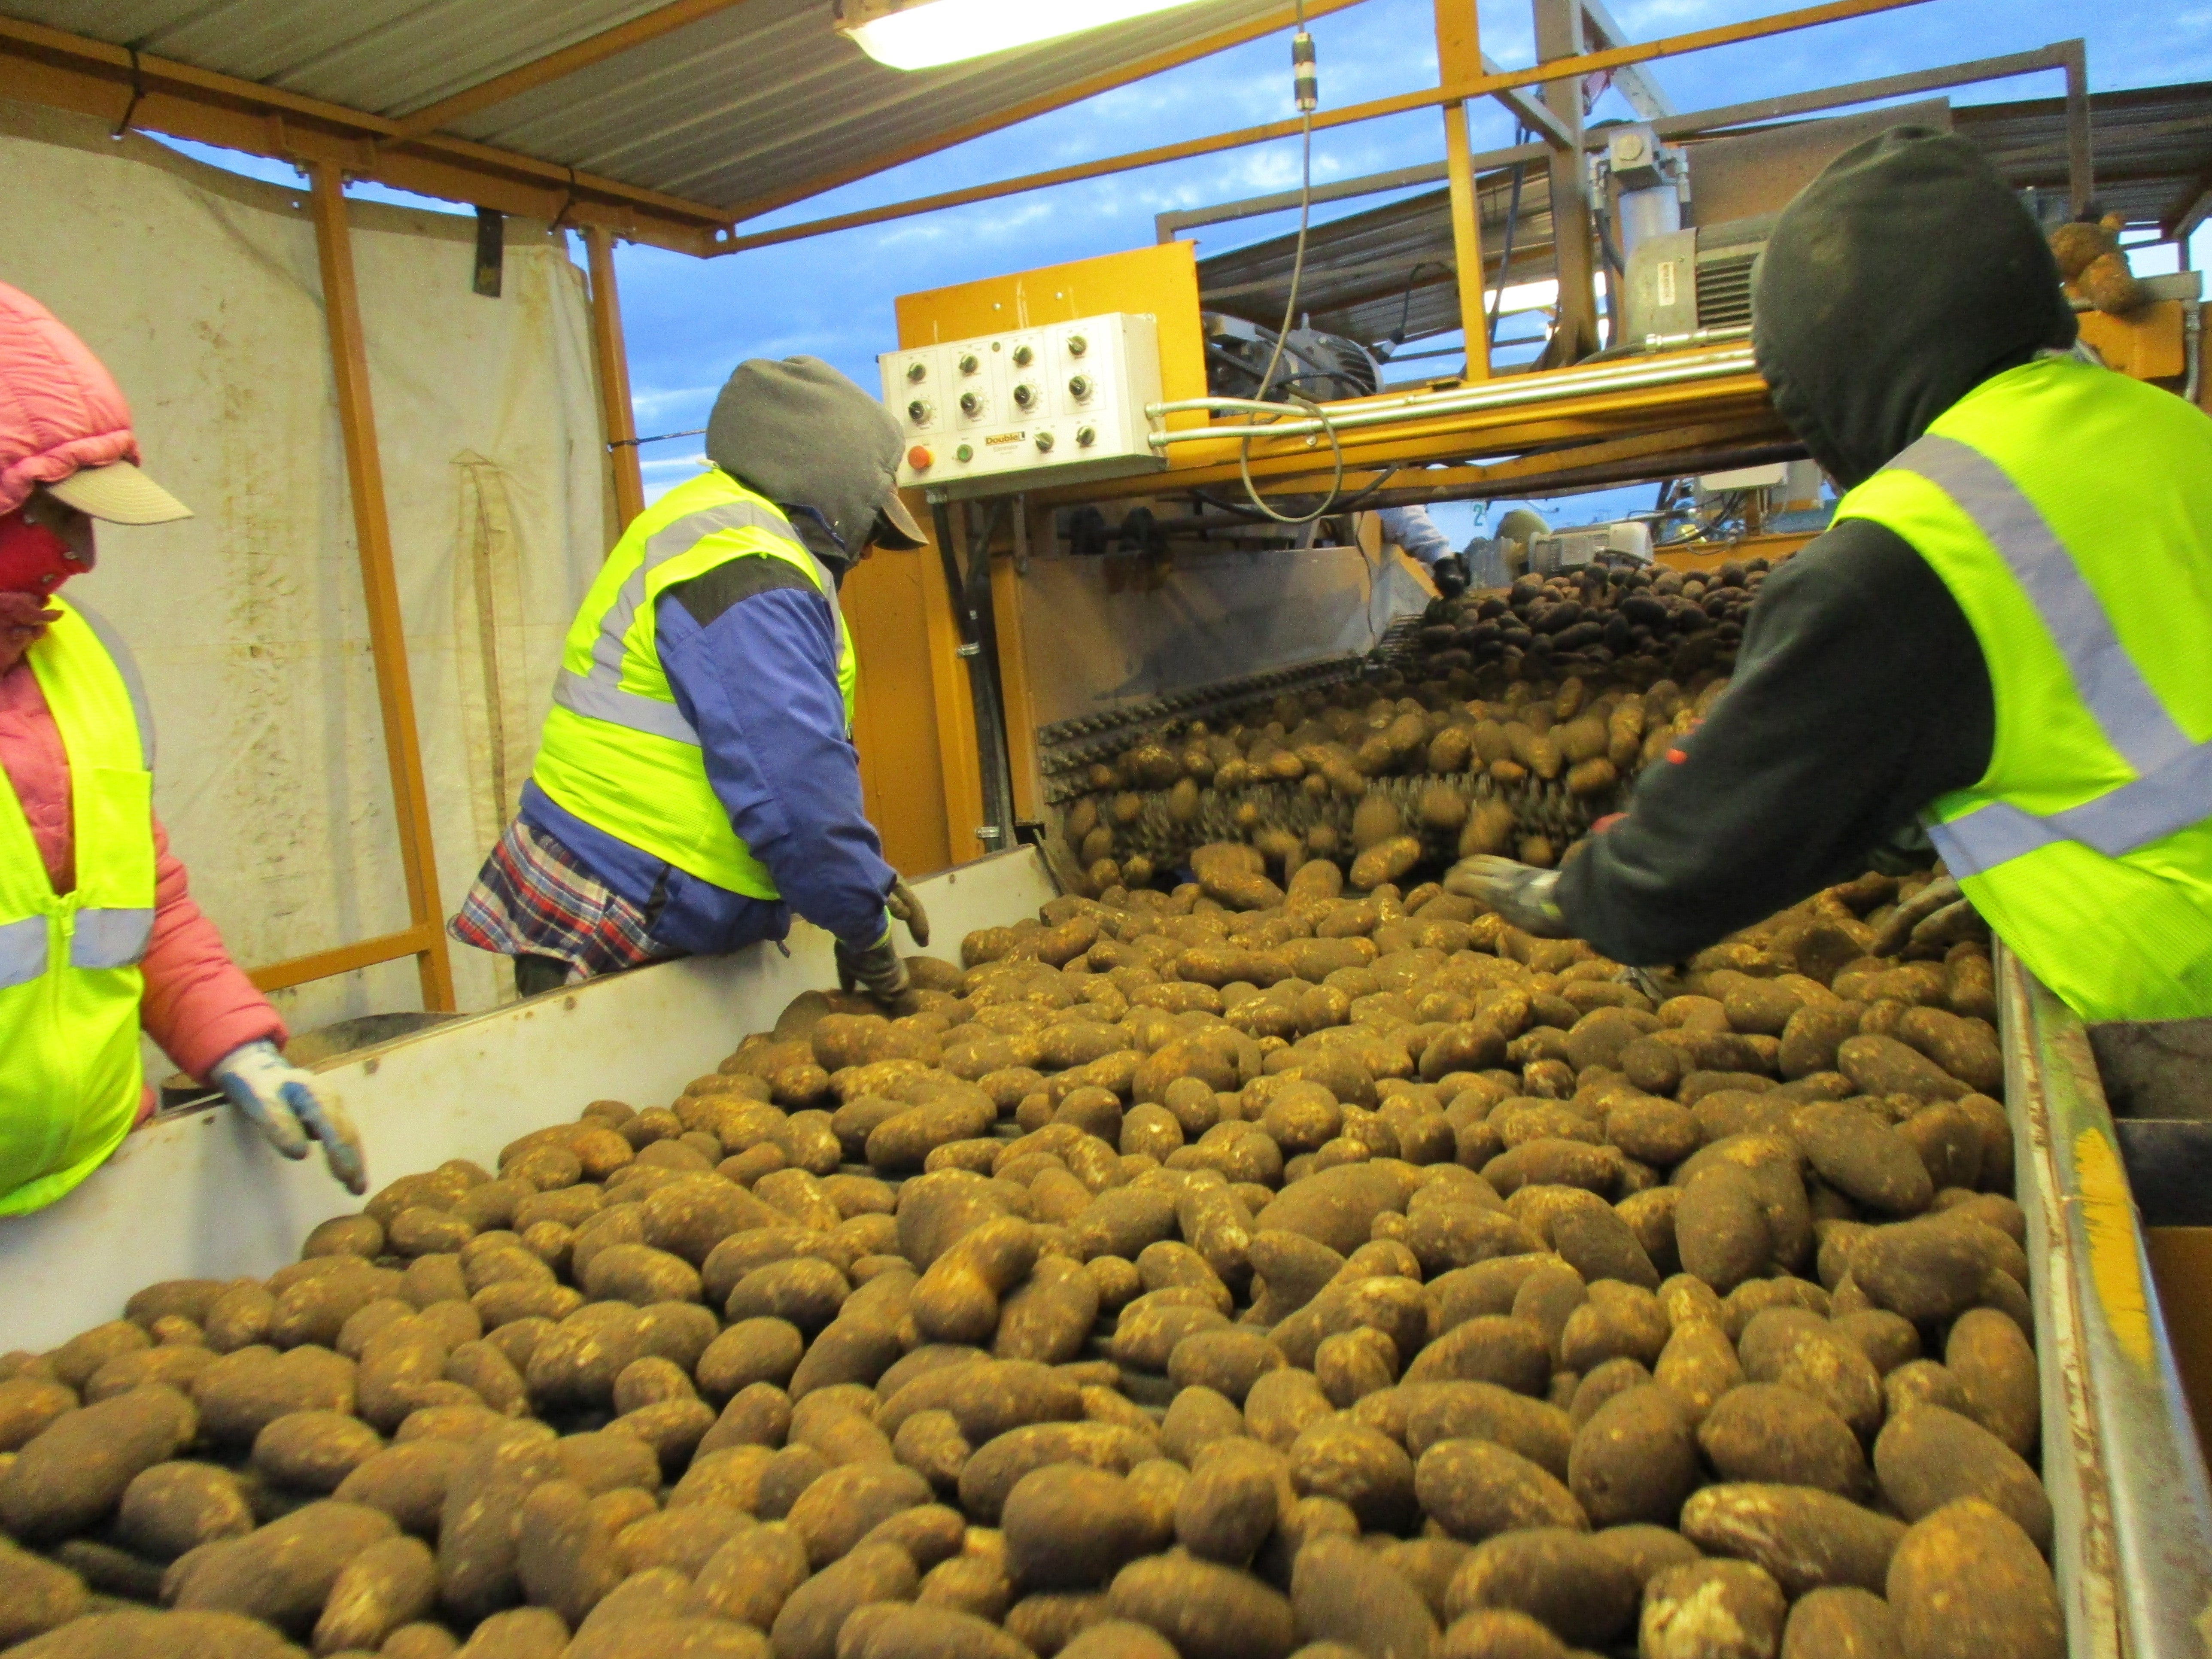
(617,752)
(2068,510)
(70,983)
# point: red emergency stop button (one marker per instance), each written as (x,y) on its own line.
(919,458)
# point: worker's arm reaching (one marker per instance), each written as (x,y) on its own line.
(1414,530)
(750,651)
(1859,697)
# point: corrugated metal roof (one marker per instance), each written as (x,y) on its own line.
(1368,272)
(2152,146)
(750,102)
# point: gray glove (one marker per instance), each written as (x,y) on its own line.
(876,969)
(1520,892)
(291,1107)
(1938,914)
(906,907)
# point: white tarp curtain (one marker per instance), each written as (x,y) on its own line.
(200,291)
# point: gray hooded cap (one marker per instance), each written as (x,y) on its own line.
(802,434)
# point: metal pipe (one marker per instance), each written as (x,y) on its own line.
(1423,405)
(2192,334)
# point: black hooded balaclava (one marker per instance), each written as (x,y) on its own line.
(1894,283)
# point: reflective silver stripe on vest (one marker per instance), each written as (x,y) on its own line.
(589,695)
(2175,789)
(110,938)
(2117,823)
(22,950)
(126,666)
(2134,720)
(599,694)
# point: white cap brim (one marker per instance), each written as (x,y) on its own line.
(119,493)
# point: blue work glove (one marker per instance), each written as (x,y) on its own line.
(876,969)
(1521,893)
(289,1108)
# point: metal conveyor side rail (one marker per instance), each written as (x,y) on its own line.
(2120,1454)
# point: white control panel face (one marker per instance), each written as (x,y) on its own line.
(1027,407)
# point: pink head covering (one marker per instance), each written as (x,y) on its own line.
(60,409)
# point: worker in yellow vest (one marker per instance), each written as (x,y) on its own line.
(2007,633)
(98,934)
(696,782)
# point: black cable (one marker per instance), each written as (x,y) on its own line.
(1397,335)
(137,92)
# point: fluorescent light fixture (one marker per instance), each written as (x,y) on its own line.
(917,34)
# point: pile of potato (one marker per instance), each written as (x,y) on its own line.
(1265,1265)
(1524,714)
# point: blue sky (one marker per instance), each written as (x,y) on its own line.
(688,321)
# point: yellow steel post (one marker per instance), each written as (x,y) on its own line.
(1459,57)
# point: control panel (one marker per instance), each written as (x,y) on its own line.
(1031,406)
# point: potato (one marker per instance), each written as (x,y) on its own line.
(1767,1433)
(1227,1361)
(1336,1594)
(143,1635)
(389,1584)
(314,1451)
(1988,1358)
(1711,1610)
(27,1406)
(1534,1428)
(1361,1468)
(891,1631)
(1473,1490)
(1069,1527)
(1635,1460)
(1205,1611)
(1509,1351)
(1801,1351)
(284,1573)
(1928,1271)
(484,1493)
(1720,1227)
(248,1389)
(1929,1457)
(751,1576)
(77,1469)
(1566,1580)
(1967,1580)
(1803,1536)
(35,1596)
(814,1612)
(1698,1364)
(1000,1464)
(407,1481)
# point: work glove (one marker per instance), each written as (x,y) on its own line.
(1519,892)
(1938,916)
(1450,574)
(876,969)
(290,1107)
(906,907)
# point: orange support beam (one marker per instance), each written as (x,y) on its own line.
(613,355)
(387,636)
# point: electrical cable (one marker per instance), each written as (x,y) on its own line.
(1305,89)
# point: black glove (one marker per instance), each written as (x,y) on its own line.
(1450,574)
(906,907)
(1521,893)
(876,969)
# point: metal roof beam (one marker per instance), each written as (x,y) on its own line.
(1156,62)
(60,70)
(555,66)
(1637,85)
(1558,69)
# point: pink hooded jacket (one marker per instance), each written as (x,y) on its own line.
(61,410)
